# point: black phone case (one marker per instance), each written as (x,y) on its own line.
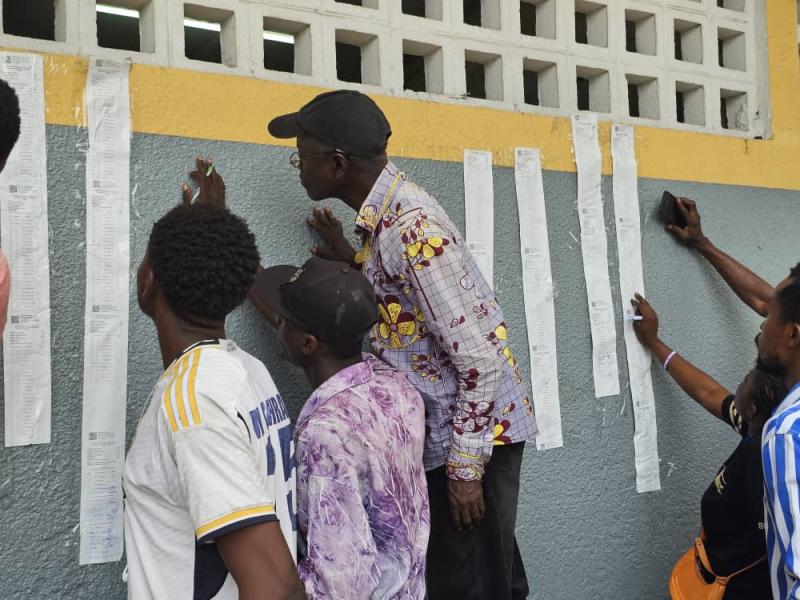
(668,211)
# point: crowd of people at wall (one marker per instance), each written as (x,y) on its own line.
(400,477)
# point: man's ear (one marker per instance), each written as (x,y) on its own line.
(794,335)
(148,287)
(310,344)
(341,165)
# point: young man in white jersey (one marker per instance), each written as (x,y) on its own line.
(209,481)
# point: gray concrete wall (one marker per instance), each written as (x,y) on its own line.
(583,530)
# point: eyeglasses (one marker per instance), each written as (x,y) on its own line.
(296,160)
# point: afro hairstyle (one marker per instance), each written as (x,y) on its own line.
(204,260)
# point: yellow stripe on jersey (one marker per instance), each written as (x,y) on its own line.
(173,424)
(179,391)
(238,515)
(191,386)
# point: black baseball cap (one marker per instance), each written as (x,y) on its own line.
(330,300)
(345,119)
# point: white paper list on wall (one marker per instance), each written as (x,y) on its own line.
(23,218)
(105,367)
(479,210)
(594,248)
(631,281)
(537,288)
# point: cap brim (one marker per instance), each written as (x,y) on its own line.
(285,126)
(266,290)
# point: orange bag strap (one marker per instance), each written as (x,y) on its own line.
(700,549)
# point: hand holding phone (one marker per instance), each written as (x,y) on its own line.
(669,213)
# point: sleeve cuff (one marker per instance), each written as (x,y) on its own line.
(465,467)
(237,519)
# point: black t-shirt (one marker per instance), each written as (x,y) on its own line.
(732,512)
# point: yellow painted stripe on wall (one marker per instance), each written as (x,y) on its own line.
(199,105)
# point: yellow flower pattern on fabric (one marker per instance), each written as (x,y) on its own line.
(509,356)
(395,323)
(429,247)
(367,217)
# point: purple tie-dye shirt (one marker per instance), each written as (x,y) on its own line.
(362,498)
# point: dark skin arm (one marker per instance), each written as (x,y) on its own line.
(703,388)
(466,503)
(750,288)
(260,563)
(210,186)
(211,191)
(329,228)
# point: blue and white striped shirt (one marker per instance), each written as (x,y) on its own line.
(780,457)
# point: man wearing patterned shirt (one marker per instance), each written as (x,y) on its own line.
(362,501)
(441,324)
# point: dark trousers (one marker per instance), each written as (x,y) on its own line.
(482,563)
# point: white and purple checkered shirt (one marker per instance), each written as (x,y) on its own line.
(442,325)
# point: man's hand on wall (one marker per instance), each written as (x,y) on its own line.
(691,235)
(466,503)
(210,186)
(329,228)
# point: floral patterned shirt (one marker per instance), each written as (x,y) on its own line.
(362,497)
(442,326)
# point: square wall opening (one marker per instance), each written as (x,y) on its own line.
(357,57)
(690,103)
(126,25)
(737,5)
(733,109)
(422,67)
(287,46)
(540,82)
(363,3)
(482,13)
(40,19)
(593,90)
(640,32)
(209,34)
(538,18)
(484,75)
(731,49)
(642,96)
(591,23)
(429,9)
(688,41)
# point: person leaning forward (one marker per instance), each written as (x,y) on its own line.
(362,498)
(441,324)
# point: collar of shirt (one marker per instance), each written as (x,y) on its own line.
(368,217)
(352,376)
(792,397)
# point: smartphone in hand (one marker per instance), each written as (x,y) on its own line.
(668,211)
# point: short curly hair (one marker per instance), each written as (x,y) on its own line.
(9,119)
(204,260)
